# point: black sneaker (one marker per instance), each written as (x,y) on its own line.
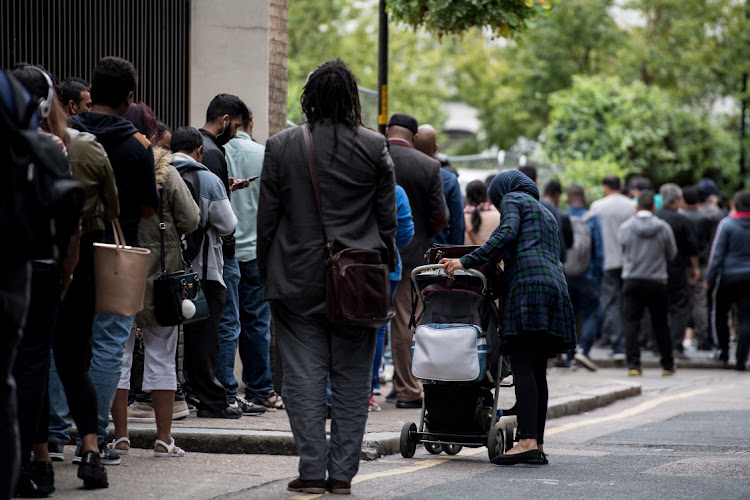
(391,396)
(417,403)
(43,475)
(56,451)
(228,412)
(78,454)
(106,456)
(246,406)
(92,472)
(26,487)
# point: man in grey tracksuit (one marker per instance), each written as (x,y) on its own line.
(647,245)
(612,210)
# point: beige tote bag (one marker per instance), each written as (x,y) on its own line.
(120,273)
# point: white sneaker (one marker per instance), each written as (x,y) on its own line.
(586,362)
(180,410)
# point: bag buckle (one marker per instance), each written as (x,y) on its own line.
(162,226)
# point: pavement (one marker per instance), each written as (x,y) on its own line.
(572,391)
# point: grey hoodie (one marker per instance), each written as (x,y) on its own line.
(647,245)
(216,212)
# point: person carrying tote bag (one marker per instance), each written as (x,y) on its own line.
(178,213)
(120,275)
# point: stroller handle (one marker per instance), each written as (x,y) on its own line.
(431,267)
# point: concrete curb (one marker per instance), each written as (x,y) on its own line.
(654,364)
(374,445)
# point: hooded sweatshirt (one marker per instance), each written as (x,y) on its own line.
(647,245)
(730,253)
(216,215)
(132,160)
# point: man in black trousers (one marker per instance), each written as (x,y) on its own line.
(647,246)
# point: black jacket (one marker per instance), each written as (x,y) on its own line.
(420,177)
(214,158)
(132,160)
(703,229)
(687,246)
(358,195)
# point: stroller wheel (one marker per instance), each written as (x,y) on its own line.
(510,433)
(495,443)
(408,442)
(434,448)
(452,449)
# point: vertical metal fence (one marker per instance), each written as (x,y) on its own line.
(68,37)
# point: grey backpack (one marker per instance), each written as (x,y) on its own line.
(579,255)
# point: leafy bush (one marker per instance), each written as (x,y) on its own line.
(639,130)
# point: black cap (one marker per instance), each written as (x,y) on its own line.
(404,120)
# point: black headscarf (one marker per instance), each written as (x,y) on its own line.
(509,181)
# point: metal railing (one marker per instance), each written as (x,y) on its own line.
(68,37)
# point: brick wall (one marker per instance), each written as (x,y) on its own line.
(277,70)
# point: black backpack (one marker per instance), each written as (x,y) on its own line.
(192,242)
(40,202)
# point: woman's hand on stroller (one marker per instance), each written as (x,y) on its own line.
(451,265)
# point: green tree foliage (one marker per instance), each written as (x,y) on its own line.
(503,17)
(635,129)
(696,50)
(320,30)
(509,83)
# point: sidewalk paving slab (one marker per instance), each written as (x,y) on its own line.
(571,392)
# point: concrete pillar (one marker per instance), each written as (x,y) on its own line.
(231,44)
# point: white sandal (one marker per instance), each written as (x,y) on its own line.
(172,450)
(113,446)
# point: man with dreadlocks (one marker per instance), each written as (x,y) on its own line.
(358,197)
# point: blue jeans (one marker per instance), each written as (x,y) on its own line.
(379,345)
(109,335)
(59,428)
(584,294)
(255,337)
(229,328)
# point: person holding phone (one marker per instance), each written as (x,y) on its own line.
(245,161)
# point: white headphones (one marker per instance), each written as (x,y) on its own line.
(45,106)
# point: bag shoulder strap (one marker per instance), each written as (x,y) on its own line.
(162,230)
(315,179)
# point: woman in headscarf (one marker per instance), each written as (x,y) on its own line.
(538,320)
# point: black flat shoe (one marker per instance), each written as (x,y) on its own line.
(534,457)
(544,458)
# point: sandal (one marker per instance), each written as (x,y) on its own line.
(119,451)
(275,401)
(272,403)
(172,450)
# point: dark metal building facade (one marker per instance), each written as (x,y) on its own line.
(67,37)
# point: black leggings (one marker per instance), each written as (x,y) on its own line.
(32,362)
(529,366)
(72,340)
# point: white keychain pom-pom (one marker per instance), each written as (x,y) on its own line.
(188,309)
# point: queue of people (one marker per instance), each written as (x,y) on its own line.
(262,215)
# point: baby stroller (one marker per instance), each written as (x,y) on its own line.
(456,355)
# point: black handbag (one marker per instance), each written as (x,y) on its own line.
(358,288)
(178,296)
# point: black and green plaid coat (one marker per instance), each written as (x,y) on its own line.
(538,299)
